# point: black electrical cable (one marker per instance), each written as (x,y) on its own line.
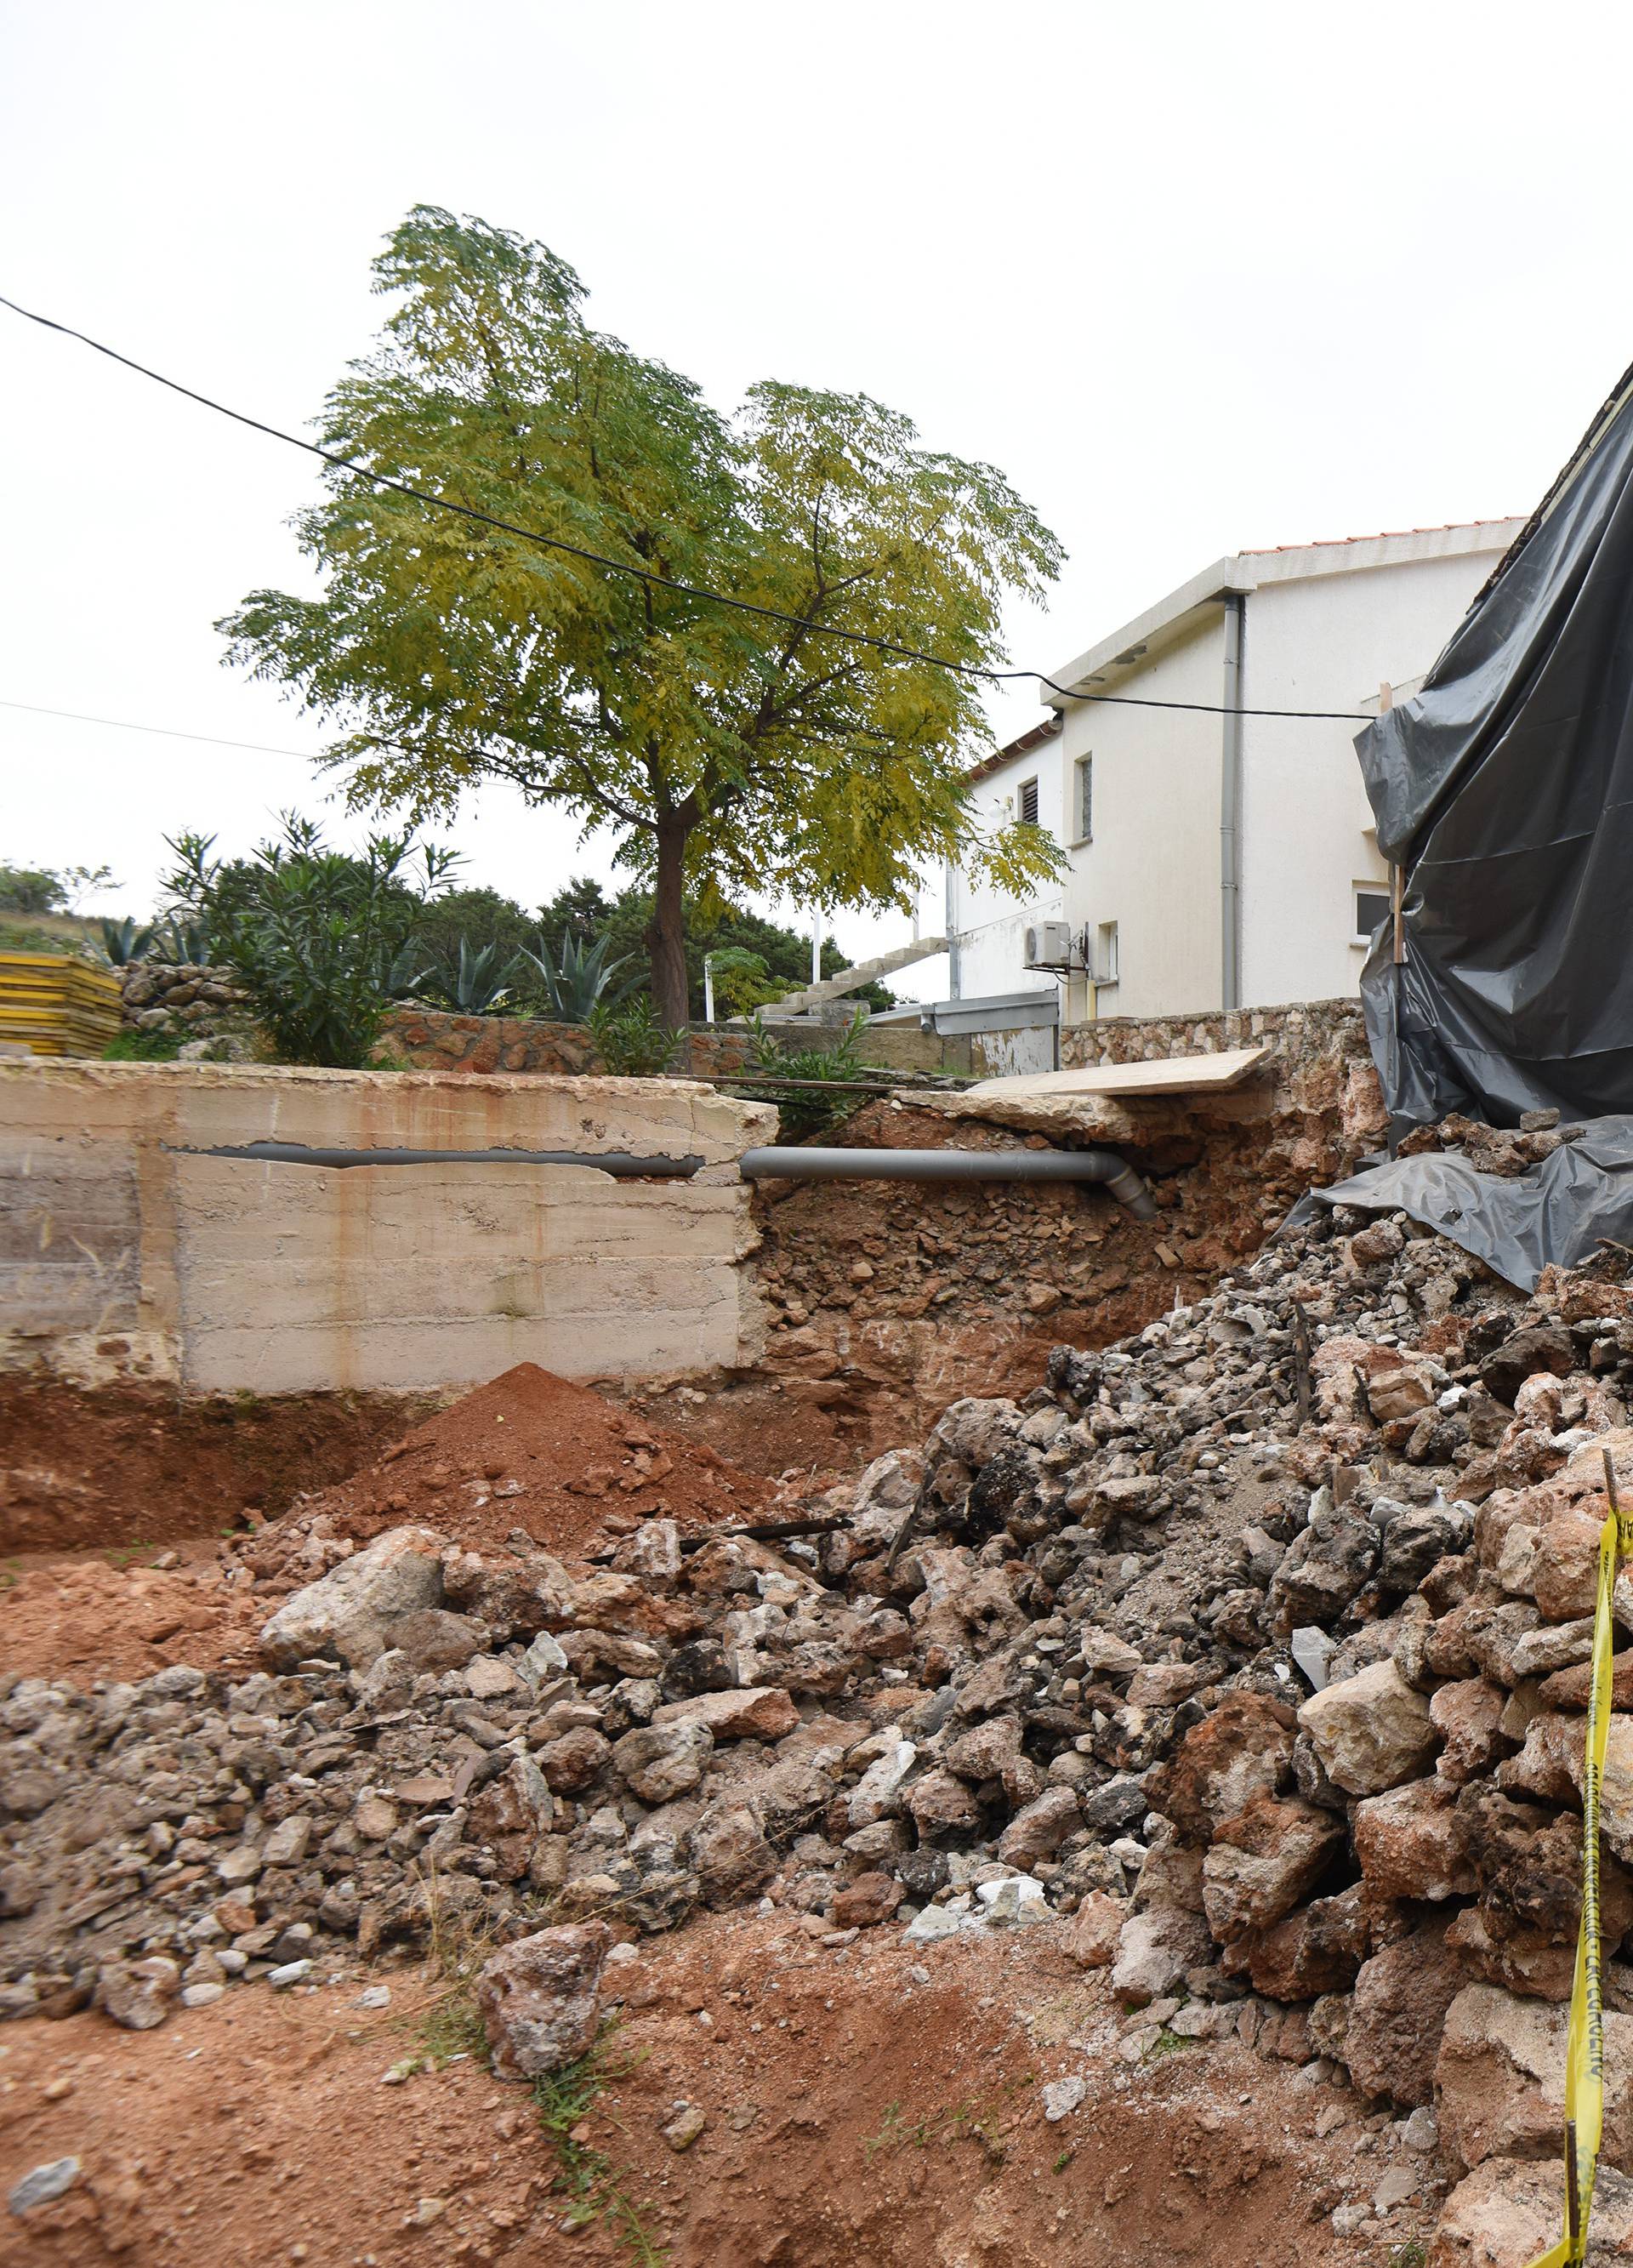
(644,574)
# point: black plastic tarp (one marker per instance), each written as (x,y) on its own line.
(1559,1210)
(1505,792)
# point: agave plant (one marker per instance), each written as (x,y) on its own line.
(480,982)
(128,940)
(180,944)
(407,969)
(578,978)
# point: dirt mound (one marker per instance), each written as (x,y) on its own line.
(533,1451)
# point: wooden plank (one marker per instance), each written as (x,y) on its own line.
(1170,1075)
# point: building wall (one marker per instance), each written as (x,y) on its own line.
(1153,865)
(1314,639)
(123,1251)
(988,925)
(1325,642)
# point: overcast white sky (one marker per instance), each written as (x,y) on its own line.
(1196,278)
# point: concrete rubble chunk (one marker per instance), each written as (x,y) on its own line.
(1499,2081)
(1371,1731)
(351,1613)
(539,2000)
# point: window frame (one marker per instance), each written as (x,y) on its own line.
(1021,791)
(1082,808)
(1358,891)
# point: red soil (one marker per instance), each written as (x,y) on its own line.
(533,1451)
(878,2108)
(137,1465)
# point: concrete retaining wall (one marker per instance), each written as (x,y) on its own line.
(124,1252)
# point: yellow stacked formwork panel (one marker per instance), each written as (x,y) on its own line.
(57,1005)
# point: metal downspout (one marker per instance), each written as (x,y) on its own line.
(1231,802)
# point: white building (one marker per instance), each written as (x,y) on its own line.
(1220,859)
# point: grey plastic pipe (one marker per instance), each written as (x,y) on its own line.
(818,1164)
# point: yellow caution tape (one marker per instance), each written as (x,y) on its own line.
(1585,2044)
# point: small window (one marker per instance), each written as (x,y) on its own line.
(1372,906)
(1086,799)
(1106,969)
(1026,803)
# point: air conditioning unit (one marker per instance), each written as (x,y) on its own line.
(1048,945)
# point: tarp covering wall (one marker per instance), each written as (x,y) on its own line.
(1504,790)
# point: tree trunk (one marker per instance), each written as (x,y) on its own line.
(666,934)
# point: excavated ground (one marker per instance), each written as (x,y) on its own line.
(864,2111)
(1180,1950)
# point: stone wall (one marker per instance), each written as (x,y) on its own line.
(1302,1032)
(195,1004)
(434,1039)
(126,1249)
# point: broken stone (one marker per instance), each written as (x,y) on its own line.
(660,1761)
(1408,1845)
(138,1994)
(1500,2079)
(1096,1927)
(1397,2014)
(749,1713)
(1371,1732)
(1242,1748)
(1154,1951)
(1263,1861)
(539,1999)
(353,1612)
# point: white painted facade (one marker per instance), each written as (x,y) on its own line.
(984,927)
(1321,627)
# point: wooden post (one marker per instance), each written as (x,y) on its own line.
(1397,879)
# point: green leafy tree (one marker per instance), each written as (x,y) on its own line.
(729,752)
(481,916)
(32,890)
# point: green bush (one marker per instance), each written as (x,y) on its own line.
(143,1047)
(315,936)
(631,1041)
(804,1109)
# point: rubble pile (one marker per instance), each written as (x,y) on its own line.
(1255,1644)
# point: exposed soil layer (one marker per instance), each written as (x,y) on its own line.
(533,1451)
(91,1619)
(137,1464)
(862,2108)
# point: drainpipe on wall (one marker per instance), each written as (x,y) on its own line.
(951,925)
(1230,801)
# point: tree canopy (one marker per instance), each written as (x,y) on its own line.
(729,752)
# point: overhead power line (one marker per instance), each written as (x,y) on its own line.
(355,471)
(165,732)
